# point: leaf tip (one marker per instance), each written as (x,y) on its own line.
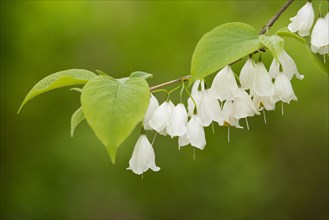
(20,108)
(112,151)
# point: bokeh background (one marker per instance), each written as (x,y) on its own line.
(273,171)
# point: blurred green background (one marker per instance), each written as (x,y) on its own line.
(274,171)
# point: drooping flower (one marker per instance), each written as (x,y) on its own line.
(244,106)
(224,86)
(228,114)
(247,74)
(289,66)
(153,105)
(161,116)
(178,121)
(320,36)
(303,21)
(195,134)
(265,102)
(208,107)
(283,89)
(274,68)
(263,85)
(143,157)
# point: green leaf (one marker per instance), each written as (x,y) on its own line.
(317,58)
(223,45)
(76,118)
(284,32)
(140,74)
(113,108)
(274,43)
(57,80)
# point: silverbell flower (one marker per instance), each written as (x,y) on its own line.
(224,85)
(194,135)
(289,66)
(208,107)
(247,73)
(274,68)
(303,21)
(283,89)
(161,116)
(265,102)
(153,105)
(320,36)
(263,85)
(228,115)
(243,106)
(143,157)
(178,121)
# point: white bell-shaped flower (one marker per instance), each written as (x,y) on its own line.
(209,108)
(265,102)
(320,36)
(283,89)
(263,85)
(196,95)
(161,116)
(153,105)
(207,104)
(224,86)
(178,121)
(303,21)
(274,68)
(195,134)
(143,157)
(228,114)
(247,74)
(289,66)
(244,106)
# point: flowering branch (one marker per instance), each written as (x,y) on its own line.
(265,28)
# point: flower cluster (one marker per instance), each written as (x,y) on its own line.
(303,22)
(229,99)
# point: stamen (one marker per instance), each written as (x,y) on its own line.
(264,116)
(282,110)
(228,134)
(324,58)
(193,153)
(155,135)
(247,124)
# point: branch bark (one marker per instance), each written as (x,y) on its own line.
(275,17)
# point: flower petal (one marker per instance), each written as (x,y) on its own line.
(153,105)
(178,121)
(224,85)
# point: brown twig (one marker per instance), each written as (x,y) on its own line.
(170,82)
(275,17)
(265,28)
